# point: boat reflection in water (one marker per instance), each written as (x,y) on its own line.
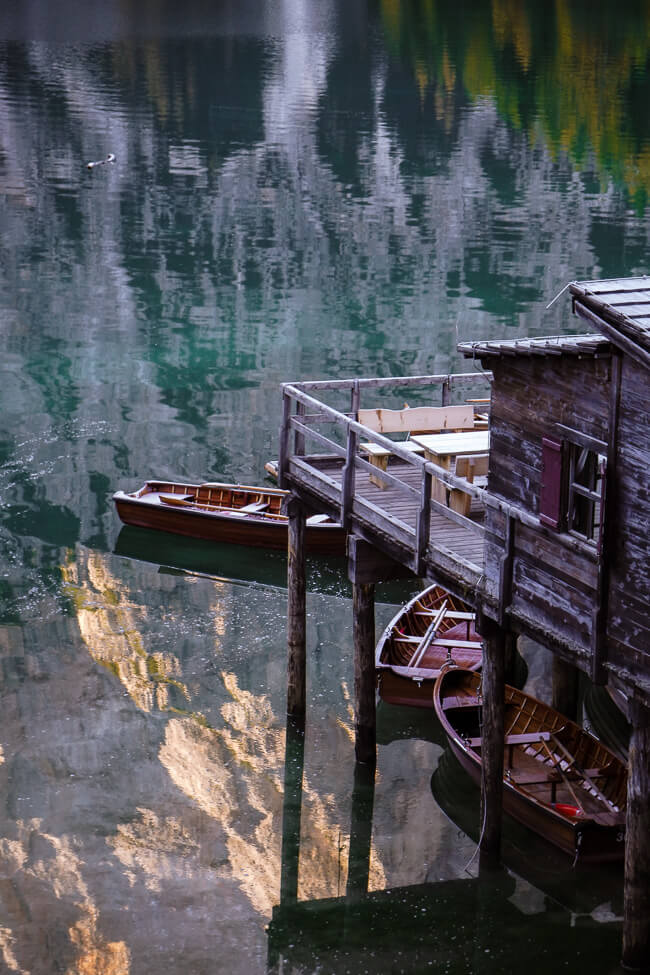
(234,563)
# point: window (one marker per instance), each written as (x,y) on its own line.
(585,491)
(572,484)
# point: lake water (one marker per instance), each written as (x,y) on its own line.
(300,190)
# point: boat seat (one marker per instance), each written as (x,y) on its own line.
(535,776)
(175,498)
(317,519)
(460,702)
(254,507)
(450,614)
(529,738)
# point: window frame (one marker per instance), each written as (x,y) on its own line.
(590,499)
(561,489)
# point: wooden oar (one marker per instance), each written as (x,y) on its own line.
(215,507)
(428,636)
(559,768)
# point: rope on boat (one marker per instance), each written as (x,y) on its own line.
(578,845)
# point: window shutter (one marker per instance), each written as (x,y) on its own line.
(550,498)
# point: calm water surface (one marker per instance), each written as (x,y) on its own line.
(299,191)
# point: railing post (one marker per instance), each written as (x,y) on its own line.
(283,454)
(446,391)
(299,441)
(355,399)
(423,528)
(348,480)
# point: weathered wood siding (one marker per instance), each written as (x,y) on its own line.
(529,396)
(628,627)
(553,583)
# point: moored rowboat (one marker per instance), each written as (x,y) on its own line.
(233,513)
(558,779)
(429,629)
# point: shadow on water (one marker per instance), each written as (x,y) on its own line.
(456,926)
(240,563)
(396,722)
(483,924)
(237,563)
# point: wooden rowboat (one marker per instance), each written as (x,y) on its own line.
(418,641)
(558,779)
(232,513)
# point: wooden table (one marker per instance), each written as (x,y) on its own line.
(443,449)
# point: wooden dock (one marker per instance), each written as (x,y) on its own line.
(556,545)
(388,519)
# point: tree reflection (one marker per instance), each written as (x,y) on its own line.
(571,73)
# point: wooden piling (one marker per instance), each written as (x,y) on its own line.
(636,898)
(565,681)
(296,613)
(493,692)
(363,798)
(294,759)
(363,601)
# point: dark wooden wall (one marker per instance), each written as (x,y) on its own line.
(554,582)
(628,629)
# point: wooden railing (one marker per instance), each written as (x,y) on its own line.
(310,422)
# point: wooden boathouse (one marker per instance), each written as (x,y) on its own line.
(553,543)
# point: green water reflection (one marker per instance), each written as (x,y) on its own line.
(299,191)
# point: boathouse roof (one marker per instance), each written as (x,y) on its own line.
(618,308)
(550,345)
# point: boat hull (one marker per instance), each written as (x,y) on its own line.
(412,686)
(584,837)
(229,527)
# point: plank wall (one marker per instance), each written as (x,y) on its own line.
(554,582)
(629,601)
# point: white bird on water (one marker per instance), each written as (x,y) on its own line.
(100,162)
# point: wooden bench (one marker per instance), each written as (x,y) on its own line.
(417,419)
(470,468)
(481,417)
